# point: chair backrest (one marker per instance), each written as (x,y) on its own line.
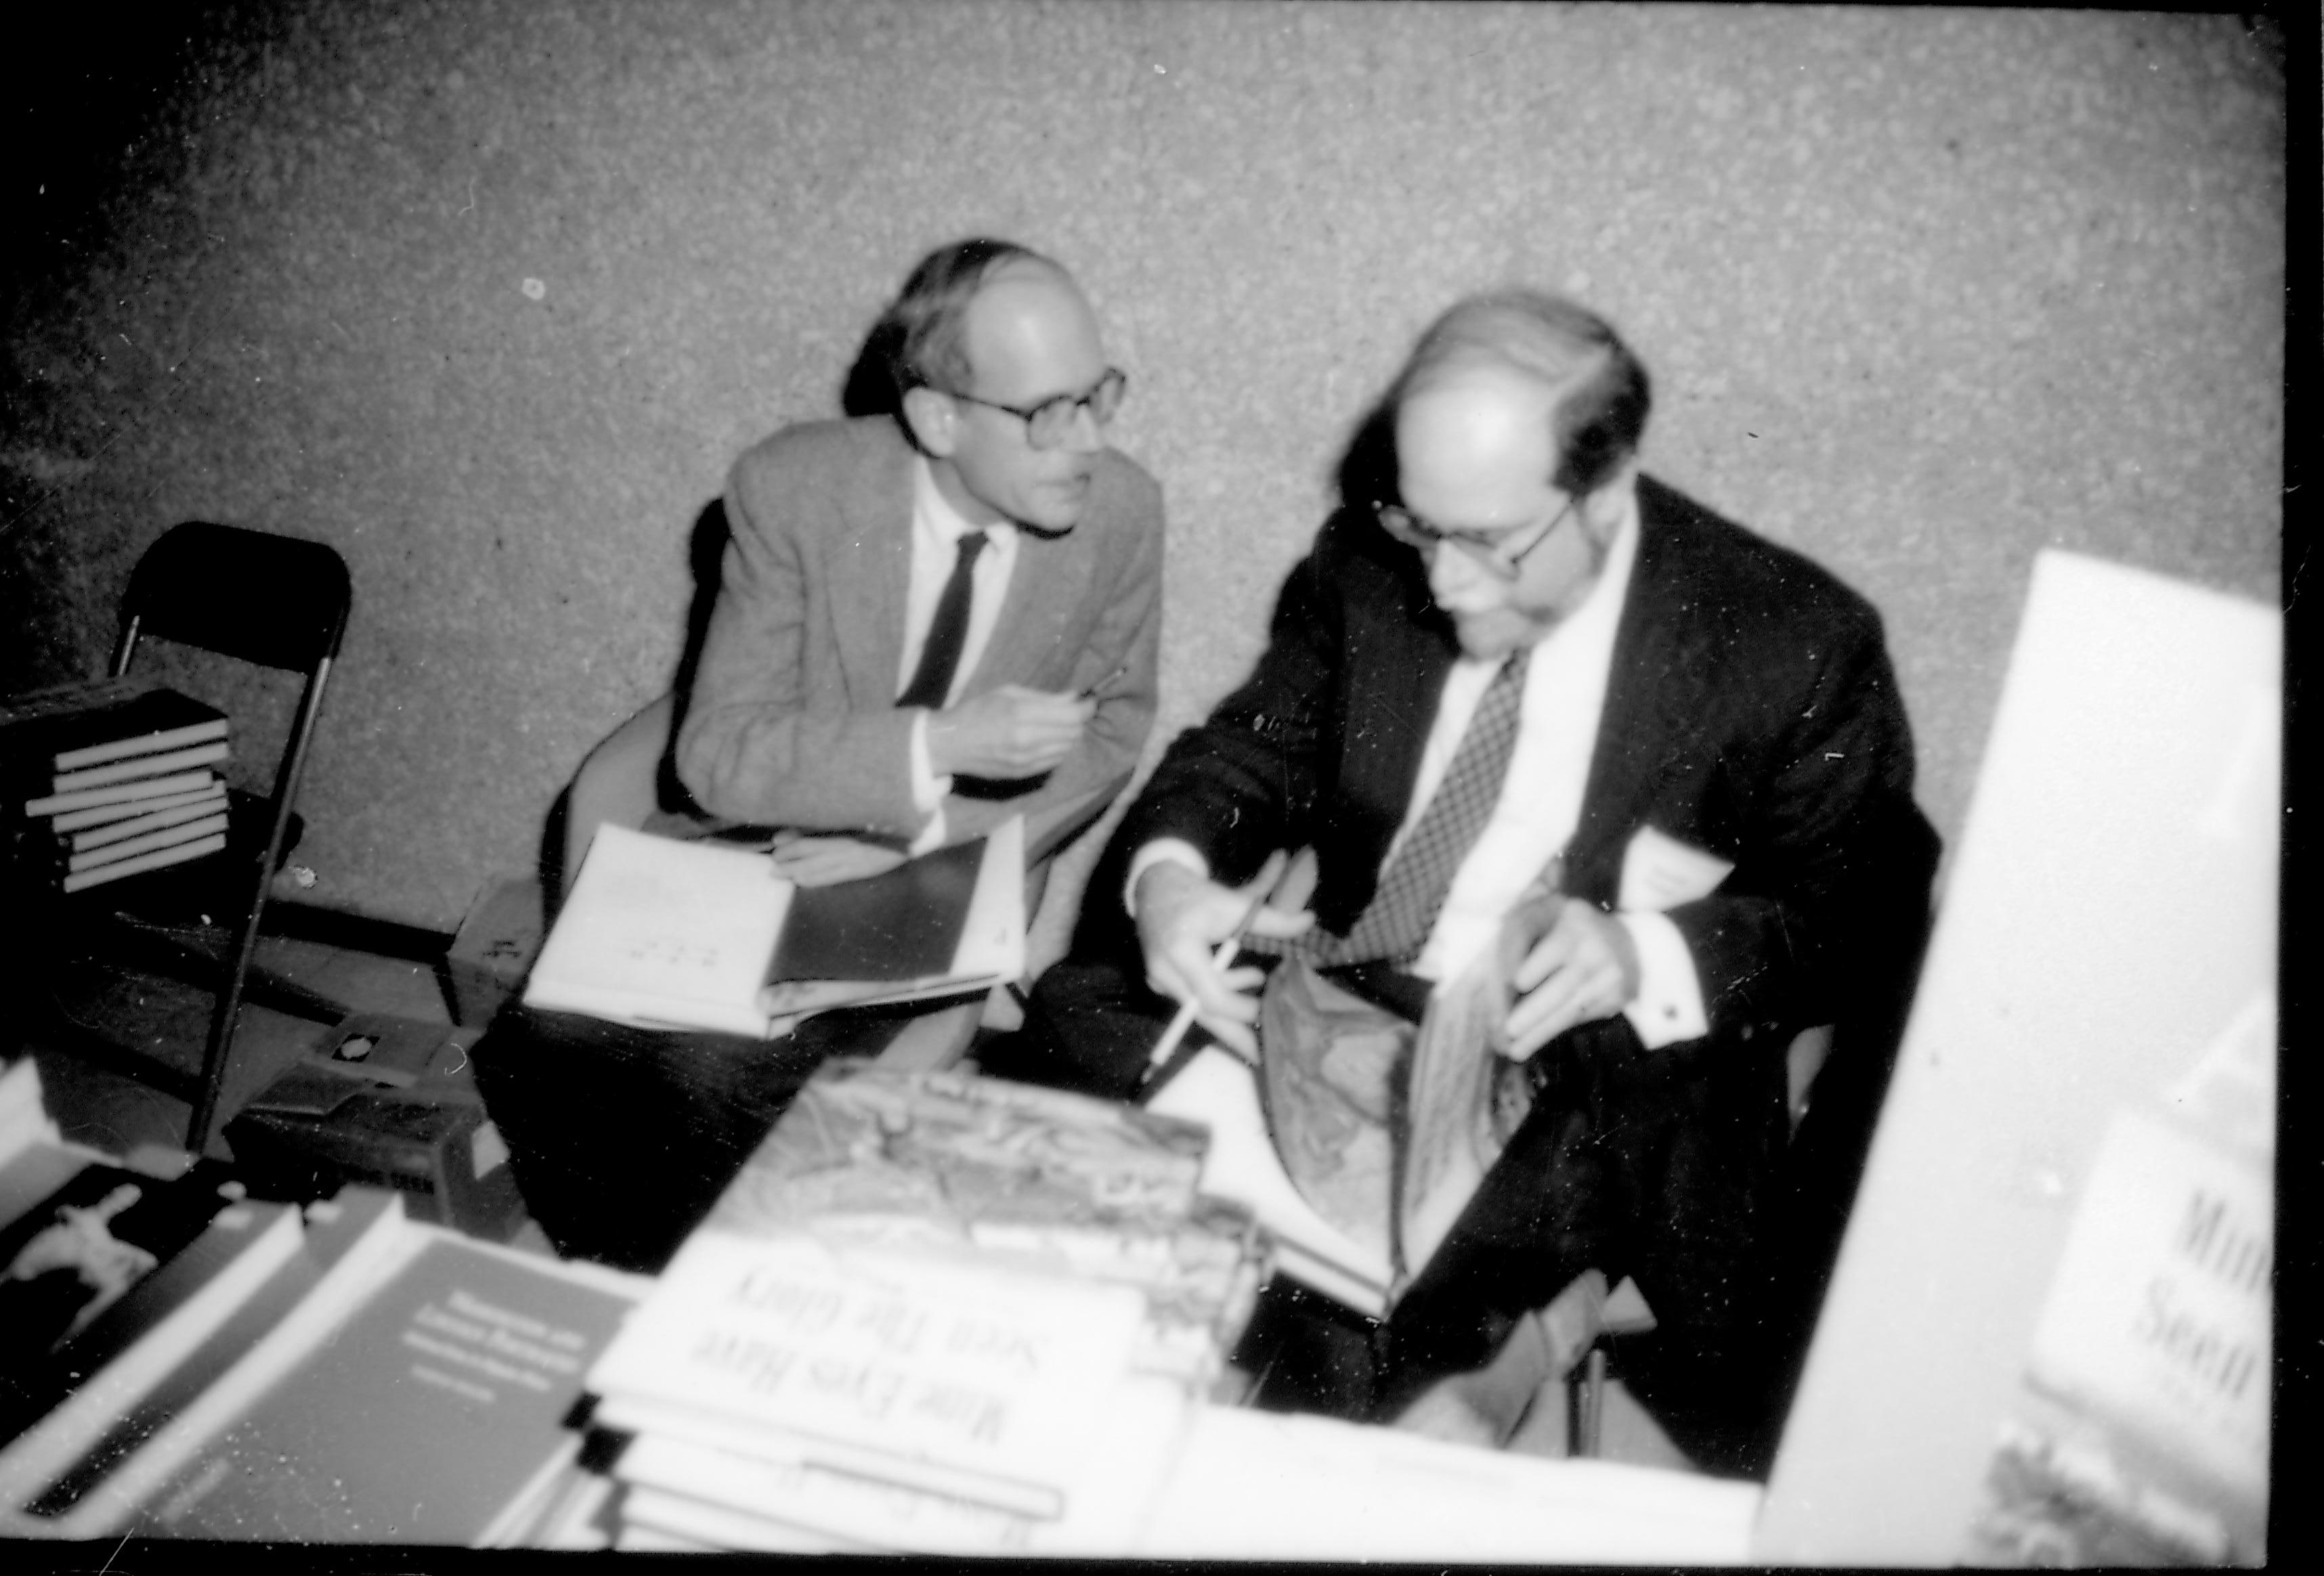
(274,600)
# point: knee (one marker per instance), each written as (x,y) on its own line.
(1087,1028)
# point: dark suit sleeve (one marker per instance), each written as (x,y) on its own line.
(1834,861)
(1246,781)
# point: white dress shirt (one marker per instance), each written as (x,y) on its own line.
(937,529)
(1540,803)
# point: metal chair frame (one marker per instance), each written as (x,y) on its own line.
(274,601)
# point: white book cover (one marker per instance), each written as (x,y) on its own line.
(997,1375)
(665,934)
(24,1115)
(669,934)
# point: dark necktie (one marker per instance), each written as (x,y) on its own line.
(1395,925)
(947,632)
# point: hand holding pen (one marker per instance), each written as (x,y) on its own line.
(1191,928)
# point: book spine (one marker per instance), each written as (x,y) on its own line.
(214,791)
(682,1516)
(159,765)
(44,1383)
(33,1462)
(142,744)
(861,1509)
(119,792)
(158,858)
(787,1447)
(127,848)
(137,827)
(336,1298)
(524,1507)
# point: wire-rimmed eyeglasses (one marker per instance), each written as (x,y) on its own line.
(1051,422)
(1490,549)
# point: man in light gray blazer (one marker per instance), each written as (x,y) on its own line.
(927,624)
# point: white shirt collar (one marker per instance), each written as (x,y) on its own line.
(933,509)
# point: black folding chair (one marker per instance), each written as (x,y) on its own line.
(273,601)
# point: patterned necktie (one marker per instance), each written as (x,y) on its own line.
(1395,925)
(931,683)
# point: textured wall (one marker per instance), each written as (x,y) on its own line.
(489,294)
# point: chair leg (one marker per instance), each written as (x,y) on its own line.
(216,1050)
(1590,1403)
(229,999)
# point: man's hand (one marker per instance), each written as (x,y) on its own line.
(821,862)
(1007,732)
(1181,918)
(1584,969)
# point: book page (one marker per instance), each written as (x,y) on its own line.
(662,933)
(1216,1090)
(993,941)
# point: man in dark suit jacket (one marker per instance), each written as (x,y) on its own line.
(1710,746)
(830,698)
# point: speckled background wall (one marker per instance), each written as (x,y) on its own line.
(489,294)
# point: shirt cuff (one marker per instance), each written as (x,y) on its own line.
(928,789)
(1161,850)
(1668,1007)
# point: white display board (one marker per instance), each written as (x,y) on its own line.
(2109,921)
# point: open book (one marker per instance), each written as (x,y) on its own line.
(667,933)
(1217,1090)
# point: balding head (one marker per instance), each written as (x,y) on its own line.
(1597,393)
(986,333)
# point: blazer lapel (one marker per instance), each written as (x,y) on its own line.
(1047,590)
(1383,726)
(1654,705)
(871,573)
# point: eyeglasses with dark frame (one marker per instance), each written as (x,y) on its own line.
(1051,422)
(1486,549)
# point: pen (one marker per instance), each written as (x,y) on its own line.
(1103,685)
(1161,1064)
(1184,1018)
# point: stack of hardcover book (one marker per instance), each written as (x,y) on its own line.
(111,777)
(935,1313)
(186,1361)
